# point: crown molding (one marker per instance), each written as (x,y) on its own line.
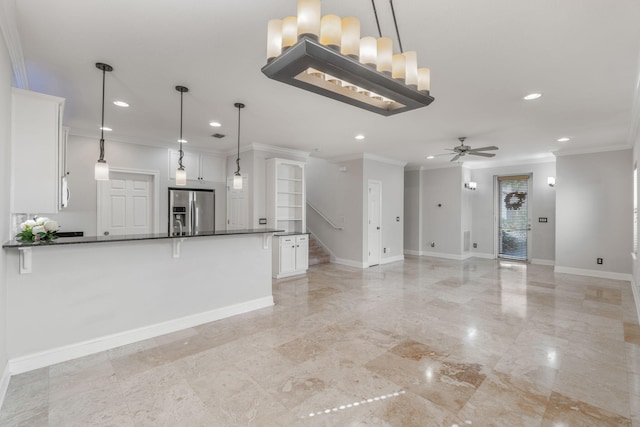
(272,149)
(9,27)
(367,156)
(592,150)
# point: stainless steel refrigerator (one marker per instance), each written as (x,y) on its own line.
(191,211)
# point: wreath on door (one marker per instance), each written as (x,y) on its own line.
(514,201)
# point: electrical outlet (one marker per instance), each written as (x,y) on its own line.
(475,246)
(384,250)
(599,260)
(433,244)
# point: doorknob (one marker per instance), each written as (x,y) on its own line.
(106,233)
(377,228)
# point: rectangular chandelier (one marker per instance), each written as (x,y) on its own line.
(327,56)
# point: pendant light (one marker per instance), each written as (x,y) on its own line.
(101,172)
(181,173)
(237,179)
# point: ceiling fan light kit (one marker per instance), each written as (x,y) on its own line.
(332,60)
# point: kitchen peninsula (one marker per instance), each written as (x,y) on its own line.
(80,295)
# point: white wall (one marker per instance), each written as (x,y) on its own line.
(442,211)
(336,189)
(542,201)
(412,212)
(391,174)
(5,136)
(82,152)
(594,211)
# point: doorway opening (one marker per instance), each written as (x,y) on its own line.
(514,222)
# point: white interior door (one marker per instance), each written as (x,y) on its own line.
(237,205)
(126,204)
(374,223)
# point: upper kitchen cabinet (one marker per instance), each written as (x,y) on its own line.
(199,167)
(37,150)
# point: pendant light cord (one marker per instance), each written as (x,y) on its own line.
(395,22)
(181,152)
(375,13)
(101,159)
(238,158)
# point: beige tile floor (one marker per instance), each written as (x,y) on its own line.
(424,342)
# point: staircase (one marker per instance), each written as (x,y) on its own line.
(317,254)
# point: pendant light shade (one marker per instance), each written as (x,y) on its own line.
(237,178)
(328,56)
(181,173)
(101,171)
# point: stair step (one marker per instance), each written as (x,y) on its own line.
(317,254)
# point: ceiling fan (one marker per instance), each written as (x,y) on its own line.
(462,150)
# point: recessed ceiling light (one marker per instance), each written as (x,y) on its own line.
(120,103)
(532,96)
(564,139)
(215,124)
(430,157)
(359,137)
(106,129)
(183,141)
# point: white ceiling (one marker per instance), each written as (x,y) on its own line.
(484,57)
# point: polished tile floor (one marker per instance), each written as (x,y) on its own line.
(424,342)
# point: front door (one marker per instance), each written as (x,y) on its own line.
(126,204)
(374,234)
(514,223)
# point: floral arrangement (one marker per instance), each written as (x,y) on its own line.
(38,229)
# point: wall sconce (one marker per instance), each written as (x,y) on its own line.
(470,185)
(551,181)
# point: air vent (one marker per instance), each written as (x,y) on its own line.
(218,135)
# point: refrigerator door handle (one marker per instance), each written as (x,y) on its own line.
(194,219)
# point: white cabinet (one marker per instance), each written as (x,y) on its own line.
(36,150)
(290,255)
(200,167)
(286,201)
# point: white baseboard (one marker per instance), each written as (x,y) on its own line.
(636,296)
(411,252)
(73,351)
(443,255)
(4,383)
(483,255)
(543,261)
(391,259)
(349,263)
(593,273)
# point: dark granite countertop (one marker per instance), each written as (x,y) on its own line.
(134,237)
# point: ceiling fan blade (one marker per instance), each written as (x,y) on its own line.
(456,157)
(481,154)
(493,147)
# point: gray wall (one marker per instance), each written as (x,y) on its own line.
(442,224)
(392,201)
(542,201)
(594,211)
(5,136)
(339,196)
(80,215)
(412,213)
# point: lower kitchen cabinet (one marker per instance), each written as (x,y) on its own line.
(290,255)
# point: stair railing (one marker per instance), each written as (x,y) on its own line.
(323,216)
